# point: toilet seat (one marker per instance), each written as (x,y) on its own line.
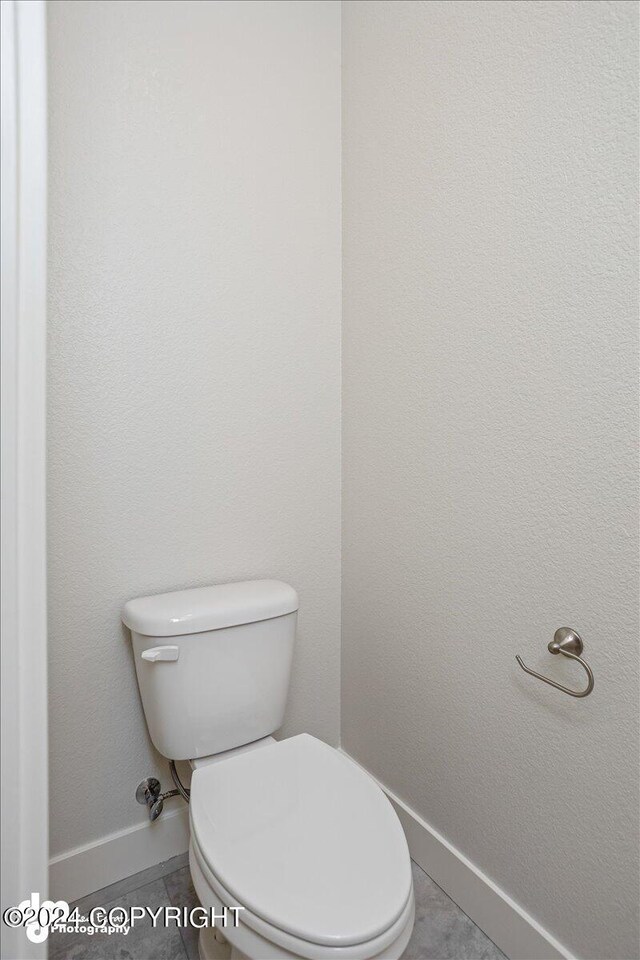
(254,938)
(307,843)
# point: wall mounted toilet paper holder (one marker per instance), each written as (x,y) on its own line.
(568,642)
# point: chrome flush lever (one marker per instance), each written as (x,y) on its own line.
(569,643)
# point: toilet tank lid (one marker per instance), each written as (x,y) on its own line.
(209,608)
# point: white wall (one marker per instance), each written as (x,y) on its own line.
(489,408)
(194,353)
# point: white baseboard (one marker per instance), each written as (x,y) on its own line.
(504,921)
(89,868)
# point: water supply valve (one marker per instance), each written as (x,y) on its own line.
(149,792)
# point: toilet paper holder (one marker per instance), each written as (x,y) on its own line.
(568,642)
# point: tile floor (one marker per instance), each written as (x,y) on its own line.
(442,931)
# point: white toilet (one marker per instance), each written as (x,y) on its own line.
(293,832)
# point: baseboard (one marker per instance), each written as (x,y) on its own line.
(510,927)
(89,868)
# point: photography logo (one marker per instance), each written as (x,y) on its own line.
(37,918)
(40,917)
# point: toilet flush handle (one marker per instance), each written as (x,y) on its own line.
(153,654)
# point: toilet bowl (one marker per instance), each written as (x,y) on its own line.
(308,847)
(290,836)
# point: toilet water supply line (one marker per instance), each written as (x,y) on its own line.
(149,792)
(184,792)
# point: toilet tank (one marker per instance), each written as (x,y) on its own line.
(213,664)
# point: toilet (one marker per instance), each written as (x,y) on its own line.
(292,835)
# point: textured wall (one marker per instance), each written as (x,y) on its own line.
(489,417)
(194,352)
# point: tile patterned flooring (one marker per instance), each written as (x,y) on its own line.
(442,931)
